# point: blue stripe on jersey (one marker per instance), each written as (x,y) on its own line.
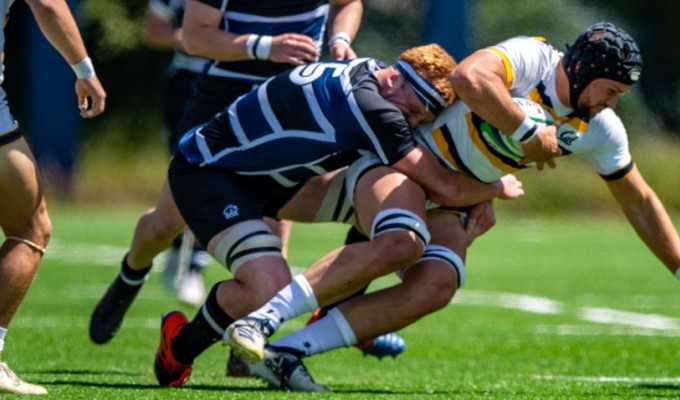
(448,137)
(311,28)
(620,173)
(273,17)
(296,124)
(540,88)
(482,126)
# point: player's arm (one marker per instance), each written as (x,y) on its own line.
(479,220)
(203,37)
(159,32)
(57,25)
(450,188)
(481,81)
(648,216)
(344,19)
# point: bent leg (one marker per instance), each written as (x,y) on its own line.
(25,223)
(155,231)
(348,269)
(426,287)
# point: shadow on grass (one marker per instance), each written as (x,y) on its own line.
(139,386)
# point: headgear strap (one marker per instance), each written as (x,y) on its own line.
(432,98)
(602,51)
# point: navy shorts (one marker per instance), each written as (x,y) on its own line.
(213,199)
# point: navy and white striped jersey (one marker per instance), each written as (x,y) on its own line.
(267,17)
(173,12)
(296,123)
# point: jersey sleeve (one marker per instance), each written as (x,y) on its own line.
(162,9)
(386,127)
(606,145)
(527,62)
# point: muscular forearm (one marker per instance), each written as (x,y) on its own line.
(213,43)
(654,226)
(461,190)
(57,24)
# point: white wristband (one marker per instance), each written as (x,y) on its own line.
(340,37)
(262,47)
(526,130)
(250,46)
(84,69)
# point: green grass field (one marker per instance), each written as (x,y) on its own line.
(566,308)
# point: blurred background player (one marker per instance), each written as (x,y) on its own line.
(23,215)
(162,31)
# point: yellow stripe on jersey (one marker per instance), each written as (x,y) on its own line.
(479,144)
(577,123)
(443,147)
(509,75)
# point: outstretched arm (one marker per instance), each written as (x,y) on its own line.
(648,216)
(57,24)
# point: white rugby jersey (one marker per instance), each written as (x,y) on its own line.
(466,143)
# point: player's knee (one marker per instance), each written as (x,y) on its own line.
(247,241)
(42,229)
(440,284)
(401,234)
(395,250)
(161,226)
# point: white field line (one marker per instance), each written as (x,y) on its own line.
(647,321)
(613,322)
(614,379)
(522,302)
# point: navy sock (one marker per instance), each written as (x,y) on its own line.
(198,335)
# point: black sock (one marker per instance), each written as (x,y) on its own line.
(198,335)
(177,242)
(199,259)
(132,274)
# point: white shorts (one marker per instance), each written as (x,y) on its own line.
(7,123)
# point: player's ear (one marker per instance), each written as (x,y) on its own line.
(393,78)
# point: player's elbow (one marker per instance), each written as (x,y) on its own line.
(190,46)
(468,80)
(462,78)
(192,43)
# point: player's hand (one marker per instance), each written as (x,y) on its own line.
(480,219)
(91,97)
(293,48)
(511,187)
(342,51)
(543,148)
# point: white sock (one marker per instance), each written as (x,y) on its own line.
(3,333)
(329,333)
(295,299)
